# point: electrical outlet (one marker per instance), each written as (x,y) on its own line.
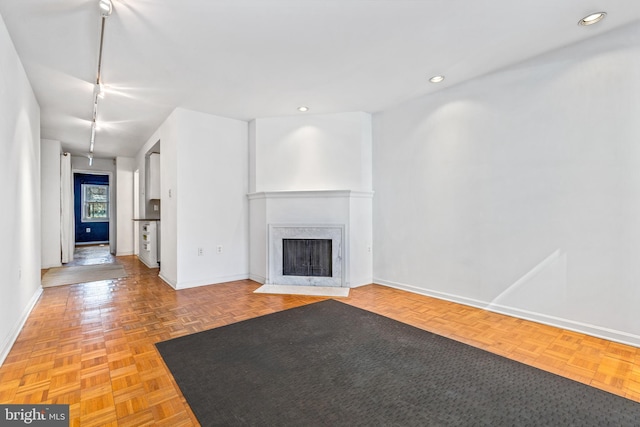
(219,248)
(87,230)
(200,251)
(155,208)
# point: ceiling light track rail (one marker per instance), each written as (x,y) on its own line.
(106,8)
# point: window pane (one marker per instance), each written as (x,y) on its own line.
(96,202)
(97,210)
(96,193)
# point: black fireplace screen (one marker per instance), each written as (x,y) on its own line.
(306,257)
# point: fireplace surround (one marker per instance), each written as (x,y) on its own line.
(279,233)
(342,216)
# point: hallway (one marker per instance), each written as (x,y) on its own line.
(91,255)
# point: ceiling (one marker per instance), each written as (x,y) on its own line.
(262,58)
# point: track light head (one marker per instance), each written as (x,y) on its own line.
(106,7)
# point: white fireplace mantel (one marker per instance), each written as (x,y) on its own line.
(348,211)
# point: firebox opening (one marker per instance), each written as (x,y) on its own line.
(307,257)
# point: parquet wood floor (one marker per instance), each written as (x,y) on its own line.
(92,345)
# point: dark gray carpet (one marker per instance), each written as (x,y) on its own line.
(330,364)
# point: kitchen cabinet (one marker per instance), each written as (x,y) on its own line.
(153,177)
(148,252)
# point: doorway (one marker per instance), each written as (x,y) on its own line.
(91,208)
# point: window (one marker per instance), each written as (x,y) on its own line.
(95,203)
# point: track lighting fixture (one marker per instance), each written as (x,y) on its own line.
(99,90)
(106,7)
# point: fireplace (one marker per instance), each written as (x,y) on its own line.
(306,257)
(342,216)
(309,255)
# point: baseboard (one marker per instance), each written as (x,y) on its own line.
(256,278)
(124,253)
(167,280)
(45,267)
(212,281)
(558,322)
(13,336)
(103,242)
(142,260)
(360,282)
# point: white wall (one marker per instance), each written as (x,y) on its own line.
(169,200)
(164,140)
(311,152)
(317,153)
(520,191)
(125,167)
(211,193)
(20,252)
(81,163)
(50,152)
(360,257)
(203,184)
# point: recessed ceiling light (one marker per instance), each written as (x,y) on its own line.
(436,79)
(303,109)
(592,19)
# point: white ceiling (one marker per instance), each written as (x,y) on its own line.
(260,58)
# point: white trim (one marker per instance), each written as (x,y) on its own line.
(257,278)
(83,201)
(558,322)
(142,260)
(90,172)
(310,193)
(166,280)
(212,281)
(67,215)
(360,282)
(45,267)
(6,346)
(124,253)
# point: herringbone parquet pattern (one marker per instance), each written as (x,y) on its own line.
(92,345)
